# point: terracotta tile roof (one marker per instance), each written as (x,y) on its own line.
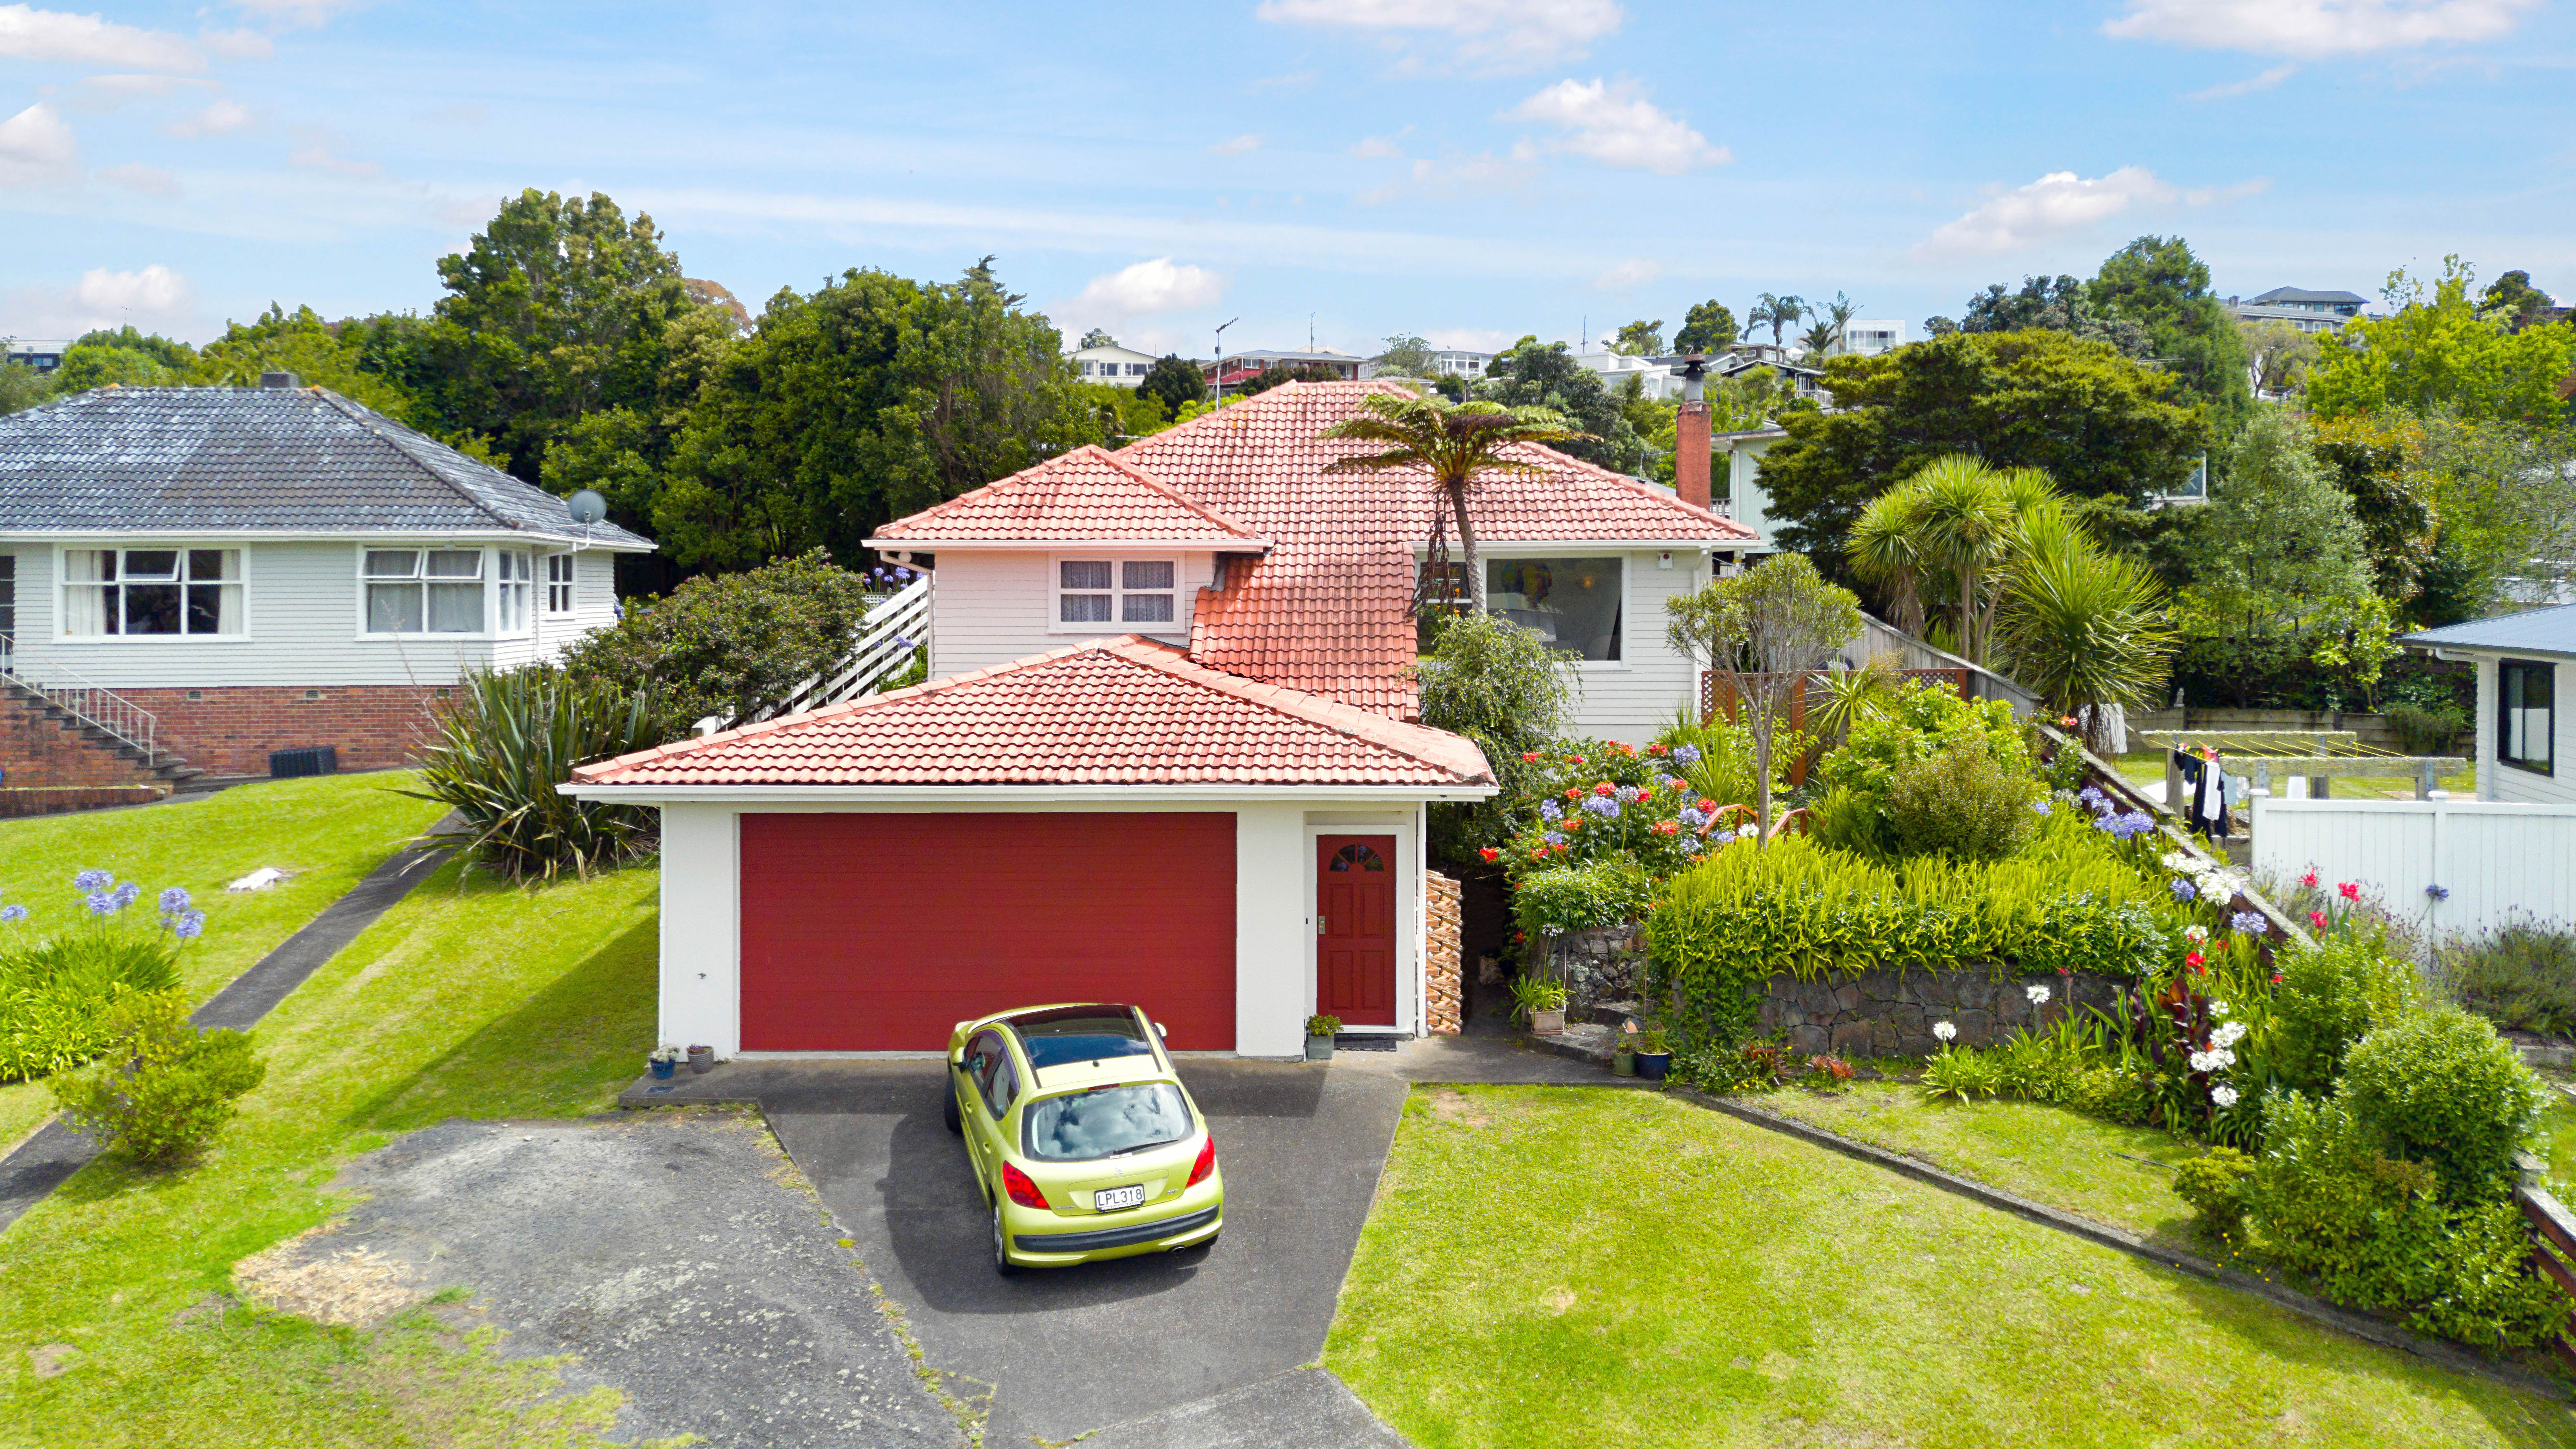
(1325,609)
(1123,711)
(1086,494)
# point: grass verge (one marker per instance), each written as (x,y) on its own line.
(329,830)
(466,1000)
(1561,1266)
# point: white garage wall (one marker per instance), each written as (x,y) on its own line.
(1274,961)
(2494,860)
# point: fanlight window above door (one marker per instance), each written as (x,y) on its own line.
(1357,857)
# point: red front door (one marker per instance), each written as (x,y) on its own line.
(1355,928)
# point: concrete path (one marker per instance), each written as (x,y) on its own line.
(54,1151)
(1163,1349)
(665,1251)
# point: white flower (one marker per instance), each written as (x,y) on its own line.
(2176,860)
(2227,1036)
(2197,935)
(1945,1031)
(1747,831)
(2216,1059)
(2223,1094)
(2038,995)
(2218,1008)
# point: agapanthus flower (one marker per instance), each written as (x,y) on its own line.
(2248,923)
(1603,806)
(13,913)
(2181,861)
(1627,794)
(188,925)
(126,895)
(100,903)
(2439,893)
(173,900)
(2038,995)
(93,880)
(1945,1031)
(2039,807)
(2223,1094)
(1685,754)
(1550,810)
(1692,819)
(1553,838)
(2182,889)
(2092,795)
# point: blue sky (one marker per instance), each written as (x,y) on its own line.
(1469,169)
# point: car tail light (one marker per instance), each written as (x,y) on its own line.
(1022,1191)
(1206,1163)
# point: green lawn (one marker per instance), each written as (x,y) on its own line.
(330,830)
(483,1002)
(2148,767)
(2067,1160)
(1554,1266)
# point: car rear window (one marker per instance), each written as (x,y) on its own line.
(1105,1121)
(1080,1034)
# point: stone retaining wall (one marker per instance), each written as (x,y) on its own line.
(1888,1014)
(1442,927)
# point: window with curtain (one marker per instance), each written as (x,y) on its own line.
(424,590)
(510,591)
(148,592)
(1572,603)
(2528,693)
(1117,591)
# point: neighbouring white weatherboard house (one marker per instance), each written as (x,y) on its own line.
(1115,365)
(235,571)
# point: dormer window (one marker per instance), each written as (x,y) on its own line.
(1128,591)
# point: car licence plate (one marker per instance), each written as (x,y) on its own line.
(1109,1199)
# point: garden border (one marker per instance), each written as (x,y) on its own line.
(2387,1335)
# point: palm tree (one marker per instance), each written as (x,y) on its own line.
(2082,626)
(1778,313)
(1967,528)
(1885,548)
(1457,444)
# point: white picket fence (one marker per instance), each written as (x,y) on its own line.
(2491,861)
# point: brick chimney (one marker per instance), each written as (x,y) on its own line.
(1690,454)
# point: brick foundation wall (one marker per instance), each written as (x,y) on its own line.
(1442,929)
(14,802)
(38,753)
(230,731)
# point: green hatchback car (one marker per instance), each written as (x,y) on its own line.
(1085,1142)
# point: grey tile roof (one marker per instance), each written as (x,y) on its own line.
(218,459)
(2535,631)
(2302,294)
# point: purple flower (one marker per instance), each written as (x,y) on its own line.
(1691,819)
(13,913)
(173,900)
(93,880)
(2039,807)
(127,894)
(2248,923)
(188,926)
(1685,754)
(1549,811)
(2183,890)
(2439,893)
(1554,837)
(902,641)
(100,903)
(1601,805)
(2092,795)
(1627,795)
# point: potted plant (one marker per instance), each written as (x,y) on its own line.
(1320,1031)
(1542,1002)
(663,1060)
(702,1059)
(1623,1051)
(1654,1052)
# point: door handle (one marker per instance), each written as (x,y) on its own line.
(1319,925)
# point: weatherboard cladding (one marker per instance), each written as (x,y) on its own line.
(220,459)
(1123,711)
(1082,495)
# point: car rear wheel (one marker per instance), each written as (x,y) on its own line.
(1002,1263)
(948,1109)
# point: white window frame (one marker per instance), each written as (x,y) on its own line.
(488,576)
(1117,622)
(1627,592)
(63,585)
(510,591)
(569,584)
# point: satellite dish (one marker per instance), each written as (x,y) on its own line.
(586,507)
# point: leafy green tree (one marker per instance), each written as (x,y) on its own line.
(1270,377)
(1098,337)
(2045,304)
(1762,632)
(2158,284)
(1458,444)
(1546,375)
(1777,313)
(1121,413)
(1640,338)
(2372,459)
(2505,497)
(556,310)
(870,399)
(1405,355)
(125,357)
(306,346)
(2512,300)
(1175,381)
(1708,327)
(732,646)
(2103,427)
(2283,569)
(2437,355)
(21,386)
(1503,687)
(2278,355)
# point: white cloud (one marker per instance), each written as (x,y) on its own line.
(37,148)
(296,12)
(1160,285)
(112,92)
(1381,146)
(2052,206)
(2247,86)
(27,33)
(156,290)
(317,154)
(1482,174)
(155,299)
(1634,272)
(135,176)
(1237,146)
(1613,123)
(220,118)
(1501,32)
(238,44)
(2312,28)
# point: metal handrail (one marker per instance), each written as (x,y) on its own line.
(884,645)
(91,704)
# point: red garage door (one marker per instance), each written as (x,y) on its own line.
(882,932)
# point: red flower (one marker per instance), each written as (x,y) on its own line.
(2309,880)
(1573,794)
(1529,757)
(1520,935)
(1645,793)
(1707,807)
(2317,919)
(2349,891)
(1574,759)
(1668,827)
(1659,749)
(1539,854)
(2194,960)
(2276,978)
(2066,722)
(1605,788)
(1490,854)
(2062,971)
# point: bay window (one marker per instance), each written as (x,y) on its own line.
(126,592)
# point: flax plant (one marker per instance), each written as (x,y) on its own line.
(501,745)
